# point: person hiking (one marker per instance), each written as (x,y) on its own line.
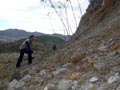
(25,47)
(54,47)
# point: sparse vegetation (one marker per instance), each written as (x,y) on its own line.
(43,43)
(2,88)
(42,47)
(7,63)
(83,78)
(72,67)
(76,57)
(115,47)
(75,76)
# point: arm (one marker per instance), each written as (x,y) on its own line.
(28,46)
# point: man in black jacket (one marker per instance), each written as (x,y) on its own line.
(25,47)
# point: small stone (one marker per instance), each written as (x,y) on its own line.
(102,48)
(43,72)
(15,75)
(27,78)
(117,75)
(79,49)
(94,79)
(75,85)
(118,52)
(50,87)
(118,88)
(31,87)
(62,71)
(20,84)
(13,83)
(66,65)
(87,86)
(114,53)
(9,88)
(89,53)
(74,88)
(65,84)
(46,88)
(54,73)
(112,79)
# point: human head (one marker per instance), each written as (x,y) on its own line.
(31,37)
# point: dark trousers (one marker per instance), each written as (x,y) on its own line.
(22,51)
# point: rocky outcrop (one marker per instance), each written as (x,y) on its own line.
(98,14)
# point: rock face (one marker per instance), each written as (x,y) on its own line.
(97,26)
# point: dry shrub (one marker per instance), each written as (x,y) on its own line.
(94,87)
(76,57)
(90,62)
(75,76)
(87,65)
(60,56)
(115,47)
(83,78)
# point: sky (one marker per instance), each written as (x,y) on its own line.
(33,15)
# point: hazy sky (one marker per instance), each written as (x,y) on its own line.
(32,15)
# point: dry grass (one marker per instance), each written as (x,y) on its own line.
(4,73)
(83,78)
(78,56)
(75,76)
(60,56)
(115,47)
(87,65)
(94,87)
(7,64)
(2,88)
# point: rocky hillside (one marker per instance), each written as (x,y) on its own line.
(98,25)
(89,61)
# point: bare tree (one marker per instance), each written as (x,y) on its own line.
(51,23)
(79,7)
(59,16)
(73,13)
(65,6)
(66,26)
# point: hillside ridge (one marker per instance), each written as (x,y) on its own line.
(16,34)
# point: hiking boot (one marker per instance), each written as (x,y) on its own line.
(17,66)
